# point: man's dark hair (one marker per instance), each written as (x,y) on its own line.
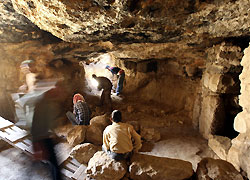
(116,116)
(93,76)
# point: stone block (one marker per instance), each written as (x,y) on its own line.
(102,167)
(209,168)
(146,167)
(212,116)
(150,134)
(76,135)
(95,129)
(84,152)
(220,145)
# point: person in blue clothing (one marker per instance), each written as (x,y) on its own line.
(120,76)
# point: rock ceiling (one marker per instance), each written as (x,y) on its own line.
(136,29)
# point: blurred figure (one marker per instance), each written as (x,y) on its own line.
(120,139)
(47,110)
(29,93)
(81,112)
(105,85)
(120,74)
(27,67)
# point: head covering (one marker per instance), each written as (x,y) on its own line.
(77,97)
(107,67)
(26,63)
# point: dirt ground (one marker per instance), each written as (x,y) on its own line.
(178,139)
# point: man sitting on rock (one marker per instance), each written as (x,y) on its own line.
(120,139)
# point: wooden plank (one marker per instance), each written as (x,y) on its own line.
(21,145)
(30,149)
(75,162)
(80,173)
(71,167)
(4,123)
(3,135)
(66,173)
(27,141)
(9,131)
(16,136)
(17,129)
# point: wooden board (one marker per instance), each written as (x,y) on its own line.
(80,173)
(19,138)
(4,123)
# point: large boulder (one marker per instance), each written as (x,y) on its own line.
(209,168)
(102,167)
(146,167)
(95,129)
(76,135)
(83,152)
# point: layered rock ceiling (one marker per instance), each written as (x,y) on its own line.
(178,29)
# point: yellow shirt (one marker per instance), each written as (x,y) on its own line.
(121,138)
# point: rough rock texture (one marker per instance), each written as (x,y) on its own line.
(84,152)
(210,168)
(220,145)
(101,167)
(16,28)
(238,154)
(220,89)
(150,21)
(144,167)
(95,129)
(150,134)
(76,135)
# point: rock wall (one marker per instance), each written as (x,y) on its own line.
(163,81)
(239,152)
(220,90)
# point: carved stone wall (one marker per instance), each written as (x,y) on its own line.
(239,152)
(220,89)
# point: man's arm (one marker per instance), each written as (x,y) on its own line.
(137,139)
(105,145)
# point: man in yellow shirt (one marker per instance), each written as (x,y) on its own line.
(120,139)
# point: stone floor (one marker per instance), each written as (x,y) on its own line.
(182,143)
(178,140)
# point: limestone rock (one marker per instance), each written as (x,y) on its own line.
(145,167)
(84,152)
(220,145)
(76,135)
(101,167)
(212,115)
(210,168)
(150,134)
(238,154)
(63,130)
(95,129)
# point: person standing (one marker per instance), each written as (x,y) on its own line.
(81,112)
(47,110)
(105,85)
(120,139)
(120,76)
